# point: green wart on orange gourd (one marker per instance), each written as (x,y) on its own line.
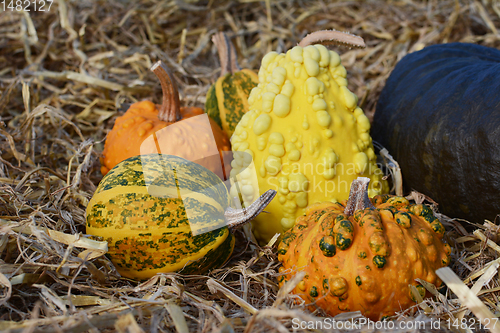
(362,254)
(140,208)
(308,138)
(227,98)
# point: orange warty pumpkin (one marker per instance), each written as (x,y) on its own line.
(360,257)
(144,118)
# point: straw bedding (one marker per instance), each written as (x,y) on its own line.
(67,73)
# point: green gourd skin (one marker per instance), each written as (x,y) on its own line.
(439,117)
(152,234)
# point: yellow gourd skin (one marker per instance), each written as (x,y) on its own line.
(307,137)
(227,98)
(149,234)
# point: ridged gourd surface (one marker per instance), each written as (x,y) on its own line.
(227,98)
(133,131)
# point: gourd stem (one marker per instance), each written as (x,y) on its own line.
(227,54)
(237,217)
(169,110)
(358,196)
(332,36)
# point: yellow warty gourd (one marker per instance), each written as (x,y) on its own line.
(307,137)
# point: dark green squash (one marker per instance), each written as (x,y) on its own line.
(439,116)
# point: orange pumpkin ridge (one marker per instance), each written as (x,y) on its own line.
(144,119)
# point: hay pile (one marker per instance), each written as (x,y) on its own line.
(64,76)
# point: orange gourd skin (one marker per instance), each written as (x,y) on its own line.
(385,250)
(139,122)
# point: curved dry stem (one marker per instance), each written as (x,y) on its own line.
(395,171)
(170,107)
(227,54)
(358,196)
(332,36)
(237,217)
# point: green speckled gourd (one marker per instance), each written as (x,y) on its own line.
(142,215)
(308,138)
(360,256)
(227,98)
